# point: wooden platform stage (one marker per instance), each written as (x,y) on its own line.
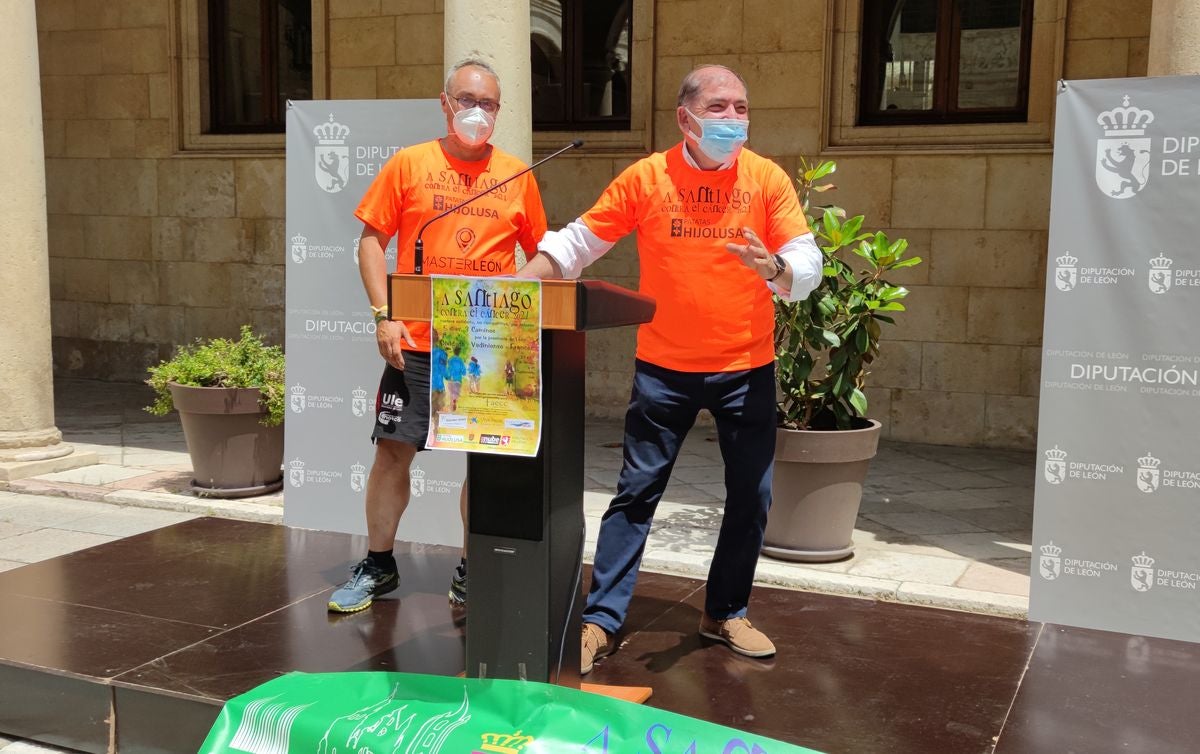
(132,646)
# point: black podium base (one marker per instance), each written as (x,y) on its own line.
(525,540)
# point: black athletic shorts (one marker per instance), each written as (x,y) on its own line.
(402,404)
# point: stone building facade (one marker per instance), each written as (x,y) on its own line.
(159,233)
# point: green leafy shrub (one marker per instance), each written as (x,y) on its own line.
(825,343)
(244,363)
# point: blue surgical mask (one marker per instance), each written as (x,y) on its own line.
(720,139)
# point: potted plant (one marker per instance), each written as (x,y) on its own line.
(824,347)
(230,398)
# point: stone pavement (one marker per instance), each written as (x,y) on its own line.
(938,525)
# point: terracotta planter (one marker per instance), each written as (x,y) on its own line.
(816,492)
(233,454)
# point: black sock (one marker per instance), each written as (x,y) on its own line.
(462,567)
(382,559)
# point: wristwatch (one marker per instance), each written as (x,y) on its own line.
(780,266)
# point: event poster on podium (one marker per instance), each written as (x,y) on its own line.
(486,365)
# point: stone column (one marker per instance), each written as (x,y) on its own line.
(1174,38)
(497,31)
(27,432)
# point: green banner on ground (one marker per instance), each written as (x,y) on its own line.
(403,713)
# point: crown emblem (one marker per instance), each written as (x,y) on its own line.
(359,393)
(1054,454)
(417,472)
(1143,560)
(358,468)
(331,133)
(503,743)
(1149,462)
(1125,120)
(298,389)
(1161,263)
(1066,260)
(300,238)
(1051,550)
(297,464)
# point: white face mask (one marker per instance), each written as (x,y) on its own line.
(474,126)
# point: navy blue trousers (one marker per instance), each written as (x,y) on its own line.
(662,408)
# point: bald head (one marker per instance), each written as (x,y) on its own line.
(471,69)
(708,77)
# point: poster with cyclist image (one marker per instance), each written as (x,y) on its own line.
(486,365)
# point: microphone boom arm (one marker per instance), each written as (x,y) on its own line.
(419,246)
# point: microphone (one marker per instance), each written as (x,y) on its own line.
(419,246)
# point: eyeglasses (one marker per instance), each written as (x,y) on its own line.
(488,106)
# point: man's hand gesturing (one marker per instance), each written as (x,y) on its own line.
(754,255)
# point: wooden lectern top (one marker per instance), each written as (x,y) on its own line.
(566,304)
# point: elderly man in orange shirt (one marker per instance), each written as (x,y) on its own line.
(719,229)
(416,185)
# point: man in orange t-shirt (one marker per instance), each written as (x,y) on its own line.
(417,184)
(719,229)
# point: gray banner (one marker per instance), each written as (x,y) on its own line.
(334,150)
(1118,478)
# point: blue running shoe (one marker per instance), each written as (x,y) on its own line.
(367,581)
(458,587)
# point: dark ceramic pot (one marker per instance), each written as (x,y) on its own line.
(233,454)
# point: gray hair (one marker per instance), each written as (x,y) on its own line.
(697,77)
(470,63)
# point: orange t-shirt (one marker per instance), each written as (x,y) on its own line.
(420,182)
(714,314)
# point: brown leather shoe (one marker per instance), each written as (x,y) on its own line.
(741,637)
(597,643)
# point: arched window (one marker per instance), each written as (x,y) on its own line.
(945,61)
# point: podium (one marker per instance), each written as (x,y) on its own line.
(525,526)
